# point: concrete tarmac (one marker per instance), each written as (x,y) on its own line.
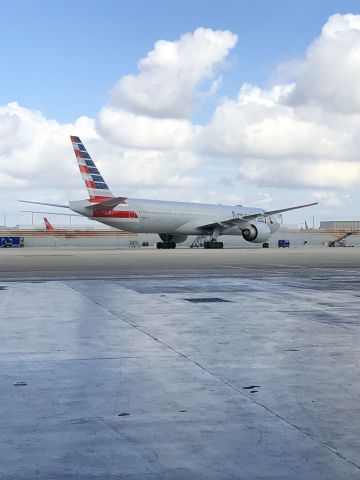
(180,365)
(74,263)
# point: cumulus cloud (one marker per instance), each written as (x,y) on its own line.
(147,112)
(259,124)
(173,75)
(329,75)
(32,148)
(139,131)
(36,157)
(332,199)
(130,168)
(304,133)
(291,173)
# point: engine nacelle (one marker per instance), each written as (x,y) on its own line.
(257,233)
(173,237)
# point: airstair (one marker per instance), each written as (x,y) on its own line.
(198,242)
(338,241)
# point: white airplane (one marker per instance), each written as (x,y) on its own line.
(173,221)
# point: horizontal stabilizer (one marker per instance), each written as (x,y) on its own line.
(108,204)
(43,203)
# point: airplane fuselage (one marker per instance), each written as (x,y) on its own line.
(168,217)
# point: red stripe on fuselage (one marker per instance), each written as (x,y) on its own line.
(114,214)
(78,154)
(84,169)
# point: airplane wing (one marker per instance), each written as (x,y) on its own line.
(42,203)
(231,222)
(274,212)
(108,204)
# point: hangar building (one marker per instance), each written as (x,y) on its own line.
(340,225)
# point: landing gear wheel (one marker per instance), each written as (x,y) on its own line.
(213,244)
(166,245)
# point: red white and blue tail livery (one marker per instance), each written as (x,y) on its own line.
(48,225)
(173,221)
(94,182)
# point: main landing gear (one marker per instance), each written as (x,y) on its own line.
(166,245)
(206,241)
(213,244)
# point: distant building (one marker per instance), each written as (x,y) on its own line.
(340,225)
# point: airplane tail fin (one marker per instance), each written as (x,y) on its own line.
(48,225)
(96,185)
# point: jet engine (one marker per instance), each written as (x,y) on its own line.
(257,232)
(173,237)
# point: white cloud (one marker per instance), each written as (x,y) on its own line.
(146,112)
(138,131)
(172,75)
(37,161)
(332,199)
(129,169)
(258,124)
(330,73)
(292,173)
(305,133)
(33,150)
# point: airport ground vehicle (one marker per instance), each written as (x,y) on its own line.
(10,242)
(283,243)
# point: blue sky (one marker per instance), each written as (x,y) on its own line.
(63,57)
(281,141)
